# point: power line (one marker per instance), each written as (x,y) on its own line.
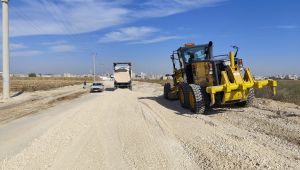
(25,18)
(65,21)
(65,25)
(55,11)
(48,6)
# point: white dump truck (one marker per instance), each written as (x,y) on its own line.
(122,75)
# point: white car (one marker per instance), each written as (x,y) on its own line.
(97,87)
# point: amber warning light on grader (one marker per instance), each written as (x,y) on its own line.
(189,45)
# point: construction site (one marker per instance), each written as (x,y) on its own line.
(207,111)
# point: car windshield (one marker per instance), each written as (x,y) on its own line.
(97,84)
(196,54)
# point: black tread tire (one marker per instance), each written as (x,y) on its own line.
(167,90)
(249,101)
(184,87)
(200,99)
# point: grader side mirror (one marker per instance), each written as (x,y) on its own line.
(237,49)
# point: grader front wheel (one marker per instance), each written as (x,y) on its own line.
(197,99)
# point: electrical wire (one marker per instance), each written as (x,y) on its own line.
(55,12)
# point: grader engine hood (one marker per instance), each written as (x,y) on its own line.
(235,86)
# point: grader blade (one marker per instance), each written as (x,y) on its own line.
(235,87)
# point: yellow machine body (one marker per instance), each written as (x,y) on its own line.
(203,80)
(235,86)
(178,78)
(201,74)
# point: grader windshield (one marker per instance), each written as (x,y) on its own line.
(196,54)
(192,53)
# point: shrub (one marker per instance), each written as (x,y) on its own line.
(31,75)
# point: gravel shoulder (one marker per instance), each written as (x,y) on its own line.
(139,129)
(27,103)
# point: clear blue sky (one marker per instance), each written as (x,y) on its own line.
(57,36)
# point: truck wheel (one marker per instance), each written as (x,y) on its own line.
(249,100)
(183,95)
(167,90)
(198,99)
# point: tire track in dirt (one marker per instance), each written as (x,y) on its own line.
(139,129)
(232,138)
(166,152)
(36,103)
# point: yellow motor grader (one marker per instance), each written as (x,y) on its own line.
(201,80)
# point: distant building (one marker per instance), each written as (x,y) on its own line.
(67,74)
(280,76)
(51,75)
(287,77)
(70,75)
(143,75)
(164,78)
(105,78)
(20,75)
(291,77)
(260,77)
(87,75)
(47,75)
(153,77)
(133,75)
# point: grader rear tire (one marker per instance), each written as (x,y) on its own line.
(167,90)
(198,99)
(183,95)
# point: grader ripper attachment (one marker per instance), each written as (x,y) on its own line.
(203,80)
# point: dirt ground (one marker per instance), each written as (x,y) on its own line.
(25,103)
(139,129)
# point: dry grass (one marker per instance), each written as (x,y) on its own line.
(161,82)
(287,90)
(67,97)
(42,83)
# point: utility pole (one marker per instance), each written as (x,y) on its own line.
(5,49)
(94,59)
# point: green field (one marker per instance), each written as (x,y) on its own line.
(287,90)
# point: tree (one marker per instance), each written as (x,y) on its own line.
(31,75)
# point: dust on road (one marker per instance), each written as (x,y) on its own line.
(139,129)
